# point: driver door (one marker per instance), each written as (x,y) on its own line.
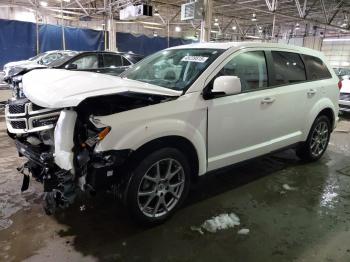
(242,126)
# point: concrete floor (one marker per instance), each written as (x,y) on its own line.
(309,223)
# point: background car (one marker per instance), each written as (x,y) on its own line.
(42,59)
(104,62)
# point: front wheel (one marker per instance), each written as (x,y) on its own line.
(316,144)
(158,186)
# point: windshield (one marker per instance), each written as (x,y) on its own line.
(63,59)
(36,57)
(175,69)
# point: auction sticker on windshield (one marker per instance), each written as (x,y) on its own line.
(196,59)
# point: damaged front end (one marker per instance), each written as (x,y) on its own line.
(64,158)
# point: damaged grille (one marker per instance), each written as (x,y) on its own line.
(18,124)
(36,107)
(24,116)
(344,96)
(45,121)
(17,108)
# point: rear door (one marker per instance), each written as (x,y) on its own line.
(112,64)
(289,80)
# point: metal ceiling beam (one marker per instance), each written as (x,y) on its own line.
(288,16)
(339,5)
(82,7)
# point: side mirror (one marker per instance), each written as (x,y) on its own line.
(71,66)
(228,85)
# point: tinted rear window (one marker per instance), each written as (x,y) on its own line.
(316,69)
(112,60)
(289,68)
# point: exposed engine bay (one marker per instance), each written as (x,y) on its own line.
(59,145)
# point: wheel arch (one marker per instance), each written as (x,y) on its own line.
(322,107)
(179,142)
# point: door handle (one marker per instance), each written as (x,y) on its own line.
(311,92)
(268,100)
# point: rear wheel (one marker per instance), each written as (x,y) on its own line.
(158,186)
(316,144)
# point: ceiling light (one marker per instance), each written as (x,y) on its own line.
(254,17)
(155,34)
(152,27)
(260,28)
(156,12)
(43,3)
(234,28)
(344,25)
(177,29)
(216,19)
(216,24)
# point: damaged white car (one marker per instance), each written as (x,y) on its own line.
(174,116)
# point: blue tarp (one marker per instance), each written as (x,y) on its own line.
(145,45)
(50,38)
(18,39)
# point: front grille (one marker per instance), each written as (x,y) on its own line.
(21,124)
(45,121)
(36,107)
(344,96)
(17,108)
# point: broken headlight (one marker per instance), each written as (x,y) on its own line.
(98,134)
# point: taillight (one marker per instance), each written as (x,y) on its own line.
(340,84)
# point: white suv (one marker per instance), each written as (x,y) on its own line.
(173,117)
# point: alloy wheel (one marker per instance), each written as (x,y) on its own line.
(319,139)
(161,187)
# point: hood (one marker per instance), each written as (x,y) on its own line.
(58,88)
(20,63)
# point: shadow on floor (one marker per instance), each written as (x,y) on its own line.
(105,221)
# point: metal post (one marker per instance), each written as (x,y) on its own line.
(206,22)
(62,26)
(168,24)
(37,33)
(273,27)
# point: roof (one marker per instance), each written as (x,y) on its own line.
(238,45)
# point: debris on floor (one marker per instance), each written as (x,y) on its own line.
(288,187)
(220,222)
(198,229)
(243,231)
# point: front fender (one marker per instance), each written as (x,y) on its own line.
(135,137)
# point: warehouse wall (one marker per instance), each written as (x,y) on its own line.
(145,45)
(337,53)
(18,39)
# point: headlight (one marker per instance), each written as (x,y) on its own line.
(93,140)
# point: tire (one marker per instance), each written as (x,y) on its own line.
(152,199)
(307,151)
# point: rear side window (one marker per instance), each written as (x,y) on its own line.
(251,69)
(289,68)
(126,62)
(316,69)
(112,60)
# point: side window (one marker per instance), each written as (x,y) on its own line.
(112,61)
(316,68)
(251,69)
(289,68)
(87,62)
(126,62)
